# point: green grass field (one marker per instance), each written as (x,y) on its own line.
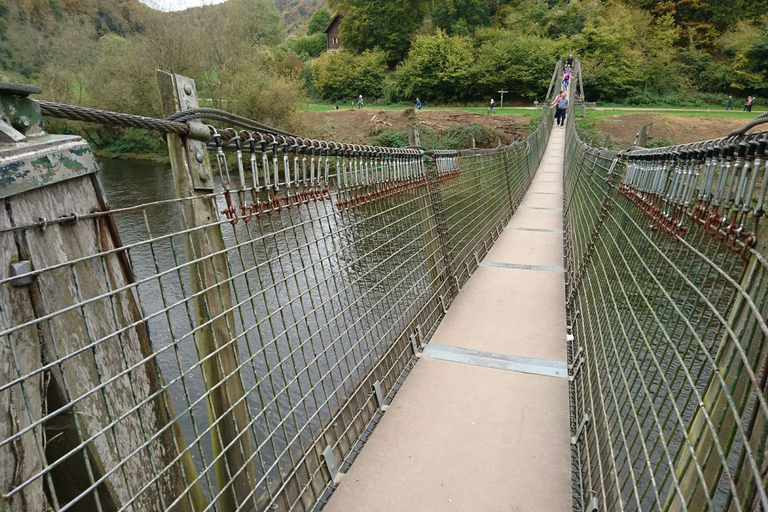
(599,112)
(592,113)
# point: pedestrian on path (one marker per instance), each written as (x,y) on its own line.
(729,106)
(561,102)
(360,102)
(748,104)
(418,104)
(493,106)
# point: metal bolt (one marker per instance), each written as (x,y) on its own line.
(188,89)
(24,120)
(18,269)
(199,157)
(203,175)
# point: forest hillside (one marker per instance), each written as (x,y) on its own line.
(265,58)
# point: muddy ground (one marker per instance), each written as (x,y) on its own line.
(358,126)
(677,129)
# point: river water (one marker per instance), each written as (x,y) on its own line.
(321,297)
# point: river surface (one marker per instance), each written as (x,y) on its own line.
(319,297)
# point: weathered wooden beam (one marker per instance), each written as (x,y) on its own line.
(744,323)
(209,280)
(101,365)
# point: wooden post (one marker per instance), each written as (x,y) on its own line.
(414,140)
(581,91)
(729,364)
(502,98)
(558,69)
(90,384)
(215,336)
(643,135)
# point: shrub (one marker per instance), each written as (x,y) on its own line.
(344,75)
(436,69)
(457,137)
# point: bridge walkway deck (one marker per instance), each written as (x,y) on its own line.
(481,423)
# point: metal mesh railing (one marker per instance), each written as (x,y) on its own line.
(231,350)
(667,301)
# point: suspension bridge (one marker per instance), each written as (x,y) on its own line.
(306,324)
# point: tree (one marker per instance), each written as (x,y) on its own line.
(610,50)
(438,67)
(746,46)
(461,17)
(309,46)
(254,22)
(521,64)
(388,25)
(709,18)
(345,75)
(320,20)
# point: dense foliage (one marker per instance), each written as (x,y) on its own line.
(104,53)
(457,137)
(633,51)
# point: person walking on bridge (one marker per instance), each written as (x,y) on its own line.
(569,60)
(561,102)
(566,79)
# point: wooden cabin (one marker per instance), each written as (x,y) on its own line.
(332,33)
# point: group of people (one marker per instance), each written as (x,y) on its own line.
(747,103)
(561,102)
(567,71)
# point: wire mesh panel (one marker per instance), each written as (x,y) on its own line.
(230,350)
(479,201)
(667,302)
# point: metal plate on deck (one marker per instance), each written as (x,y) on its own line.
(542,230)
(521,266)
(522,207)
(500,361)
